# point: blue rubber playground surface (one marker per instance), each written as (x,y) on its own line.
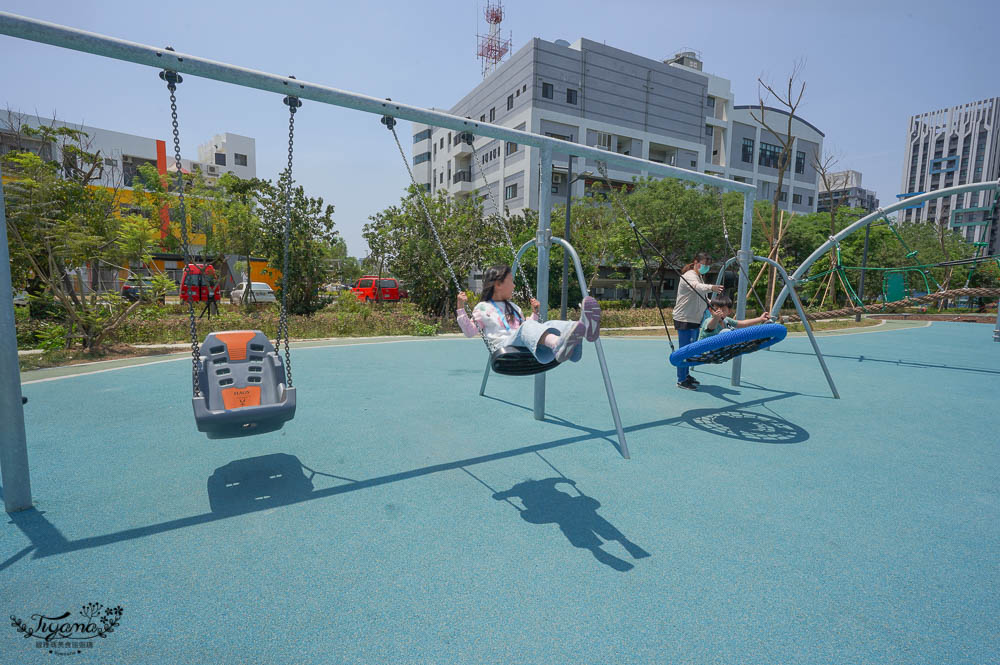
(401,518)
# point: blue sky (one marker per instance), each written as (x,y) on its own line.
(868,66)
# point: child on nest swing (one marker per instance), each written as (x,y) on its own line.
(503,324)
(719,318)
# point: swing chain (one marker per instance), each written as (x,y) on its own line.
(390,123)
(732,250)
(293,104)
(470,139)
(173,78)
(602,168)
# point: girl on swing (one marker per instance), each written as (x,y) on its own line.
(503,324)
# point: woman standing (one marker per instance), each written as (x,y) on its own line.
(689,310)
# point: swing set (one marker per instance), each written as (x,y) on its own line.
(240,383)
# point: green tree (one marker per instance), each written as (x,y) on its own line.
(58,224)
(412,253)
(312,233)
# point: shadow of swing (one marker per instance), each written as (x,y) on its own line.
(576,516)
(746,426)
(258,483)
(742,424)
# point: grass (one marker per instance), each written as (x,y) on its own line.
(62,357)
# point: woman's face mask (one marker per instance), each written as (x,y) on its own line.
(704,269)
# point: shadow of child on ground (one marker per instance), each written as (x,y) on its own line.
(576,516)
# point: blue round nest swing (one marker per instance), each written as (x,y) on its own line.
(728,344)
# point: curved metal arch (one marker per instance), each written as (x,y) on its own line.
(868,219)
(798,307)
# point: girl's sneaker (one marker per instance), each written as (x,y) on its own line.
(590,317)
(569,341)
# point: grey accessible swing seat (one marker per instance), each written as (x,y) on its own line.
(240,384)
(242,381)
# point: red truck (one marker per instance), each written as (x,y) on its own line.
(365,287)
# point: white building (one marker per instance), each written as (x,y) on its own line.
(665,111)
(123,154)
(846,192)
(229,153)
(949,147)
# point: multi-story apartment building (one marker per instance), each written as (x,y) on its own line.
(950,147)
(669,112)
(845,192)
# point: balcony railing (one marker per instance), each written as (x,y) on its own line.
(462,176)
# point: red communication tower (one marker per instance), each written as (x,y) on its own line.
(492,47)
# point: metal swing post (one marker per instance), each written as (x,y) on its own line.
(744,281)
(542,243)
(14,473)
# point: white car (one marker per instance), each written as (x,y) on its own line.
(260,292)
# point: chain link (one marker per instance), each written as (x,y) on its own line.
(500,216)
(430,222)
(172,79)
(293,104)
(732,250)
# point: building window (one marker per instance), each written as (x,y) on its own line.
(493,114)
(420,136)
(547,90)
(524,88)
(800,161)
(441,178)
(510,192)
(435,149)
(421,158)
(241,160)
(570,96)
(769,155)
(708,130)
(603,141)
(220,159)
(748,151)
(797,198)
(482,118)
(108,161)
(810,200)
(510,102)
(511,148)
(782,197)
(711,102)
(442,143)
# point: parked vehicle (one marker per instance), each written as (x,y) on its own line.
(198,284)
(21,299)
(260,292)
(136,287)
(388,289)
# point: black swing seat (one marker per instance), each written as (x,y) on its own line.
(242,381)
(517,361)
